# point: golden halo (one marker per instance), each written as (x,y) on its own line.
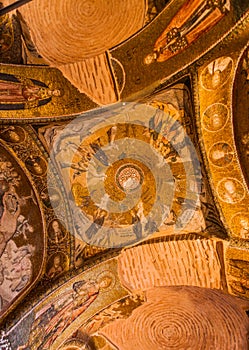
(106,280)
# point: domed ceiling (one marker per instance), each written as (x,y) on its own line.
(124,198)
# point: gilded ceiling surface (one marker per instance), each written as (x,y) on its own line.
(124,174)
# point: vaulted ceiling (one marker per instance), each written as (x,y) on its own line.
(124,145)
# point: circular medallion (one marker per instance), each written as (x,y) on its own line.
(230,190)
(221,154)
(215,117)
(129,177)
(123,176)
(217,73)
(240,225)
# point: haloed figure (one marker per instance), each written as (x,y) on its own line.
(216,121)
(56,233)
(231,194)
(98,221)
(244,231)
(56,269)
(221,154)
(36,165)
(217,73)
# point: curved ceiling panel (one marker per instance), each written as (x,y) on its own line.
(241,112)
(22,237)
(67,31)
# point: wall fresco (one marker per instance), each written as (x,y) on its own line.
(22,237)
(123,175)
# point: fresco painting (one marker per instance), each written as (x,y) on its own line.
(124,147)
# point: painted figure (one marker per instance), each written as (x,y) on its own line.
(10,210)
(98,221)
(221,154)
(215,117)
(17,228)
(99,154)
(57,268)
(59,315)
(13,134)
(244,228)
(36,165)
(7,32)
(192,20)
(20,93)
(231,191)
(217,73)
(17,260)
(56,233)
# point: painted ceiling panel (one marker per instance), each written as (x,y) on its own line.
(124,196)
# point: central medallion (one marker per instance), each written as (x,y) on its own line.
(129,177)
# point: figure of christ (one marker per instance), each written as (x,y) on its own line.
(23,92)
(8,219)
(83,295)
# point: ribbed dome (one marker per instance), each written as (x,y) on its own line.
(67,31)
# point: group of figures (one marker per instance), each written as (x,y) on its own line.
(18,246)
(221,154)
(50,319)
(123,178)
(128,172)
(20,93)
(18,138)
